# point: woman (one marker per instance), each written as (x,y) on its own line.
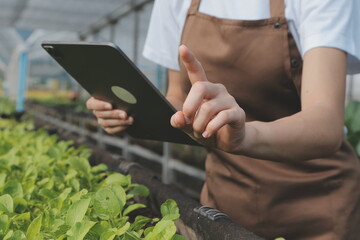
(267,100)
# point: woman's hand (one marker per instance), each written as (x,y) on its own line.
(209,114)
(112,120)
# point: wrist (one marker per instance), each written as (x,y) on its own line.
(246,147)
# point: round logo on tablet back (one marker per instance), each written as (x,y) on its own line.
(124,94)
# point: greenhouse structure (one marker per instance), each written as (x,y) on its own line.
(61,175)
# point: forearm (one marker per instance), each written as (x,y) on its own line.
(317,130)
(309,134)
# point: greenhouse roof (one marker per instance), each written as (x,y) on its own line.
(53,15)
(70,15)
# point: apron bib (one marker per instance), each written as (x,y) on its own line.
(260,65)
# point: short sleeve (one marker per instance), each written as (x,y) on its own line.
(329,23)
(164,34)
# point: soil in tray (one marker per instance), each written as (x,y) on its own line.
(146,212)
(153,166)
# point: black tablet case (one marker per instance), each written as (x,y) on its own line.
(99,66)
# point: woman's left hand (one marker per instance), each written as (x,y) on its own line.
(209,114)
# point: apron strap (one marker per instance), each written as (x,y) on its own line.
(277,8)
(194,7)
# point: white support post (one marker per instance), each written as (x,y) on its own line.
(167,174)
(126,149)
(99,139)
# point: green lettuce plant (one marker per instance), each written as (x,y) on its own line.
(48,190)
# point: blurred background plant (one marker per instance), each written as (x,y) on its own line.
(352,122)
(7,107)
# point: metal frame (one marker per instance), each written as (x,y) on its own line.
(117,14)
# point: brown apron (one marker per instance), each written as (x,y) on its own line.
(260,65)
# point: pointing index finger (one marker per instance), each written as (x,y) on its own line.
(193,66)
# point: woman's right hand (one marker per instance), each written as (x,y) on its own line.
(111,120)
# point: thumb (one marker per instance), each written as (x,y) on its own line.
(192,65)
(178,120)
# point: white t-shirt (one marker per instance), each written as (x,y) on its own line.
(313,23)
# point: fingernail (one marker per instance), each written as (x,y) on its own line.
(122,115)
(197,135)
(187,120)
(108,106)
(205,134)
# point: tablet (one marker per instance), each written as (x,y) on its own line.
(104,71)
